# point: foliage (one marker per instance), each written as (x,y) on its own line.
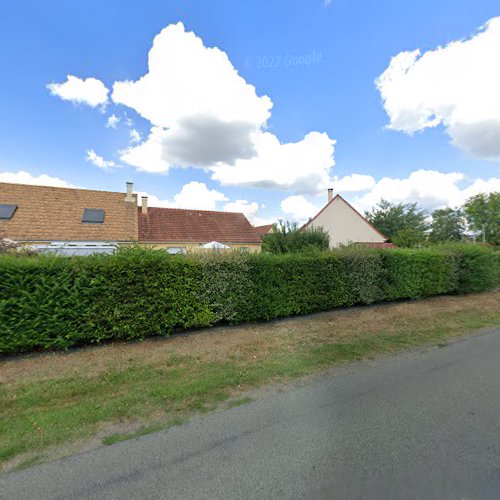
(49,302)
(409,237)
(391,219)
(286,237)
(447,225)
(483,215)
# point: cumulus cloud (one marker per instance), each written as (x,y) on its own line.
(457,86)
(298,208)
(198,195)
(195,195)
(89,91)
(353,182)
(302,167)
(23,177)
(135,136)
(204,114)
(113,121)
(429,188)
(99,161)
(246,207)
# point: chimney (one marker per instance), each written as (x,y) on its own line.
(144,208)
(130,189)
(330,195)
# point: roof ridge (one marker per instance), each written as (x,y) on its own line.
(74,188)
(194,210)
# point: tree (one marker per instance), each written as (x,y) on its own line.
(409,237)
(403,218)
(286,237)
(447,225)
(483,216)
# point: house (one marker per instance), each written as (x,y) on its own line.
(83,221)
(179,230)
(73,221)
(263,230)
(345,225)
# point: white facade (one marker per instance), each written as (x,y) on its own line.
(344,224)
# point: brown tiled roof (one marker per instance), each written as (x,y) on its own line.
(175,225)
(55,214)
(262,230)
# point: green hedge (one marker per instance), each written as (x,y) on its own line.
(59,302)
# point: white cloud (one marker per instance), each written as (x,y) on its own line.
(187,79)
(195,195)
(113,121)
(88,91)
(204,114)
(148,156)
(135,136)
(429,188)
(99,161)
(457,85)
(198,196)
(302,167)
(23,177)
(246,207)
(298,208)
(353,182)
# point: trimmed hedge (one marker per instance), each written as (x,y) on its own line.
(49,302)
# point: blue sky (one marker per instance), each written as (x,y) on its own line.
(317,63)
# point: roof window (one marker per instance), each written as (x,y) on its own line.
(7,211)
(93,215)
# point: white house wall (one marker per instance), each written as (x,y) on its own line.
(344,225)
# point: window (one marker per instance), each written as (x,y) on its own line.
(7,211)
(244,250)
(93,215)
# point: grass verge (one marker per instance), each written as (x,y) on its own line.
(125,390)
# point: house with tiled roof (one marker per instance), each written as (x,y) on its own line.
(345,225)
(75,221)
(263,230)
(181,230)
(70,220)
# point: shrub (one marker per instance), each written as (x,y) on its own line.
(287,237)
(50,302)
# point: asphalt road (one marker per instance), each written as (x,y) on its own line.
(420,425)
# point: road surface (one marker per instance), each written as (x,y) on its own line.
(420,425)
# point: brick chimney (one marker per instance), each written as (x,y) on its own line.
(144,207)
(130,189)
(330,195)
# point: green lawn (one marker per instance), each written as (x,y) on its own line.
(123,390)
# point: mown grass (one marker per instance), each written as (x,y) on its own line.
(37,415)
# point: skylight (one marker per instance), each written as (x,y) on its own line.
(93,215)
(7,211)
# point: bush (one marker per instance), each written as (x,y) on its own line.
(287,237)
(49,302)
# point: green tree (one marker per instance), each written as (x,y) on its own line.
(483,216)
(447,225)
(287,237)
(404,219)
(409,237)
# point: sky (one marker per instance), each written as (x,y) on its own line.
(254,106)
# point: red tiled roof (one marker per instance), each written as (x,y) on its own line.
(262,230)
(178,225)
